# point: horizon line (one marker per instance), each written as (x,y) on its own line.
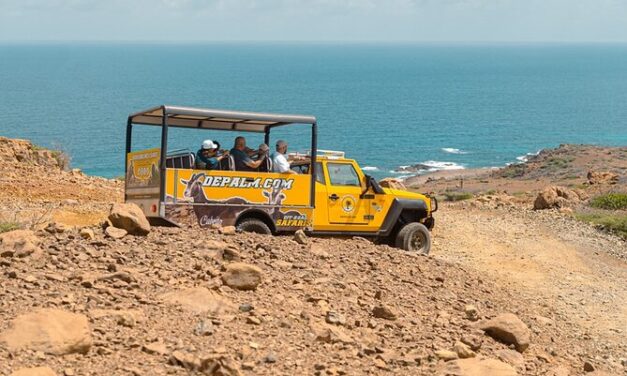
(306,41)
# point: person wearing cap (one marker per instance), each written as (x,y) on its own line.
(241,156)
(207,157)
(279,161)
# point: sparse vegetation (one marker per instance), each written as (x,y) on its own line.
(9,226)
(557,163)
(513,171)
(610,201)
(616,223)
(457,196)
(62,158)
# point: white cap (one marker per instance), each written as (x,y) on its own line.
(208,144)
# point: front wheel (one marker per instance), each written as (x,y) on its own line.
(414,237)
(254,225)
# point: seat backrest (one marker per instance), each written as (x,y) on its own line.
(186,160)
(231,160)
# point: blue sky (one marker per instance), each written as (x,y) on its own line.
(315,20)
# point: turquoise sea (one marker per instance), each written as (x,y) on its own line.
(447,106)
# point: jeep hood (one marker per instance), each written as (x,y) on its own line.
(405,194)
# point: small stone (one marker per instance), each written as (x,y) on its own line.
(228,230)
(463,350)
(446,355)
(204,328)
(472,313)
(69,372)
(115,233)
(509,329)
(87,233)
(588,367)
(300,237)
(129,217)
(384,312)
(473,341)
(253,320)
(242,276)
(155,348)
(335,318)
(246,307)
(270,358)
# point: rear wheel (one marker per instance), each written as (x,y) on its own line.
(414,237)
(254,225)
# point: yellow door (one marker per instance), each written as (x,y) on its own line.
(344,189)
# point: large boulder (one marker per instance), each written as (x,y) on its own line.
(130,218)
(392,183)
(18,243)
(200,300)
(477,367)
(555,197)
(52,331)
(35,371)
(602,177)
(509,329)
(242,276)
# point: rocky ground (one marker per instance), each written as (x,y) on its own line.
(506,291)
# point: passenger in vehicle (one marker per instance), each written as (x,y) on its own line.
(242,156)
(279,161)
(207,157)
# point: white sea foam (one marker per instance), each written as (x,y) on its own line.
(525,158)
(438,165)
(370,168)
(454,151)
(425,167)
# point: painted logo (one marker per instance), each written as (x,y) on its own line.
(348,204)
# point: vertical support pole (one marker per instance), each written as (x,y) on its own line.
(162,166)
(312,168)
(129,133)
(266,137)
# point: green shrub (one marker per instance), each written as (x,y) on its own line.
(457,196)
(615,223)
(513,171)
(9,226)
(610,201)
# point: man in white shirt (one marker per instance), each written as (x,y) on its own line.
(279,161)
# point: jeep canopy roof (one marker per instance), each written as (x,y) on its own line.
(205,118)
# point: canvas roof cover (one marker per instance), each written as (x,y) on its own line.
(205,118)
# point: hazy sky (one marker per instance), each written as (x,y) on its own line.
(315,20)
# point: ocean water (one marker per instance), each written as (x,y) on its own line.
(444,106)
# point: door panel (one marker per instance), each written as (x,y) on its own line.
(343,191)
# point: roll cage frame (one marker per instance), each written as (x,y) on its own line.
(167,116)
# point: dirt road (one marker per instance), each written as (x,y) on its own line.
(576,276)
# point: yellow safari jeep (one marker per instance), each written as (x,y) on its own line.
(329,195)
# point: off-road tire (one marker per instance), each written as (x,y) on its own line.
(254,225)
(414,237)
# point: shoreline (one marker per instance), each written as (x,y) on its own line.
(449,175)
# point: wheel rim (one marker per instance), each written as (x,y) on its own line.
(417,242)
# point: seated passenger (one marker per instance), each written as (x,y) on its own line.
(279,161)
(207,157)
(241,155)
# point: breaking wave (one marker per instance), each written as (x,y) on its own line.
(525,158)
(454,151)
(437,165)
(370,168)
